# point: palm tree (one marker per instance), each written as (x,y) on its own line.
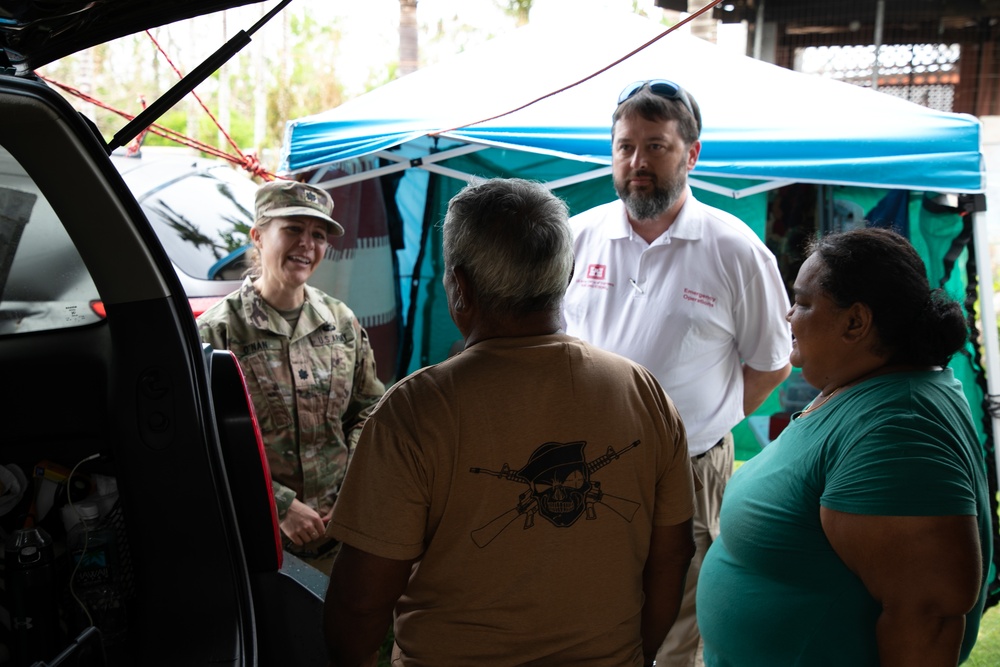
(409,48)
(519,9)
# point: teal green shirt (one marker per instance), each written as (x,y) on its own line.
(771,590)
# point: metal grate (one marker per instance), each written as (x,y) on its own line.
(922,73)
(126,576)
(939,97)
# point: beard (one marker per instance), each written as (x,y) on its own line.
(651,205)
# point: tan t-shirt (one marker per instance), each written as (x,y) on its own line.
(527,474)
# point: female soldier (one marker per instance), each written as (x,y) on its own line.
(308,364)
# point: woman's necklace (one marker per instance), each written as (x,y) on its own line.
(881,370)
(825,399)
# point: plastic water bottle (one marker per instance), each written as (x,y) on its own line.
(29,577)
(95,574)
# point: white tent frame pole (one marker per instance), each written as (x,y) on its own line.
(764,186)
(446,171)
(402,164)
(988,323)
(578,178)
(427,163)
(356,178)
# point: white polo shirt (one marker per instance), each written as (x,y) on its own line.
(689,307)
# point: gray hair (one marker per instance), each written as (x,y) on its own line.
(512,238)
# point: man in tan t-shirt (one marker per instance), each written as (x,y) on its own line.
(527,501)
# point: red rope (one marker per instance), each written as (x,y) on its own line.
(159,130)
(589,76)
(250,163)
(136,145)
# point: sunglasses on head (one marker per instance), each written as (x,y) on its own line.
(668,90)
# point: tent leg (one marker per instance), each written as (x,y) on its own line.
(988,320)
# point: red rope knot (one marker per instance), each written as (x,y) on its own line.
(253,165)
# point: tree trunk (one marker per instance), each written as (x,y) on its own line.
(520,10)
(259,92)
(193,108)
(86,81)
(409,48)
(224,94)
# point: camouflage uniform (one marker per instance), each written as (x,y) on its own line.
(312,388)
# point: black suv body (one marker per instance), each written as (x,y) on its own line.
(129,395)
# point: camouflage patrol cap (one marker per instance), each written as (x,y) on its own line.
(284,199)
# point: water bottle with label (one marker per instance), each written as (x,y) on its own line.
(95,574)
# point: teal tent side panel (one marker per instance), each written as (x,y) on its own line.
(752,210)
(936,232)
(583,196)
(745,442)
(437,333)
(411,199)
(932,235)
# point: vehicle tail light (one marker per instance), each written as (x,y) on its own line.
(246,464)
(199,304)
(265,466)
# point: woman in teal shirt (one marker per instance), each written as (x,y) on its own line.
(861,535)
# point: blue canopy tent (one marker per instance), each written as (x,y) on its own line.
(529,104)
(761,121)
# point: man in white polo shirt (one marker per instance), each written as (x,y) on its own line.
(686,290)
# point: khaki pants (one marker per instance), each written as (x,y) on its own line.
(682,647)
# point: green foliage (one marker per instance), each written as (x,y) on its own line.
(378,76)
(986,652)
(176,120)
(311,83)
(298,80)
(299,75)
(240,129)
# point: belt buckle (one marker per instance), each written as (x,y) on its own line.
(699,456)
